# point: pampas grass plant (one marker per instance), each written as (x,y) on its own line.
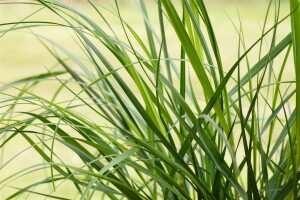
(149,116)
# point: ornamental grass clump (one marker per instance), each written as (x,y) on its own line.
(155,114)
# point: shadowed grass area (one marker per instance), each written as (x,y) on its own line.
(154,113)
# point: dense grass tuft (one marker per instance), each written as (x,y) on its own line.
(155,115)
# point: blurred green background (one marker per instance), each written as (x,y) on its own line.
(22,54)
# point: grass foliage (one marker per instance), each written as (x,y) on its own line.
(144,123)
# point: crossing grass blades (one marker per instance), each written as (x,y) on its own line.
(147,123)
